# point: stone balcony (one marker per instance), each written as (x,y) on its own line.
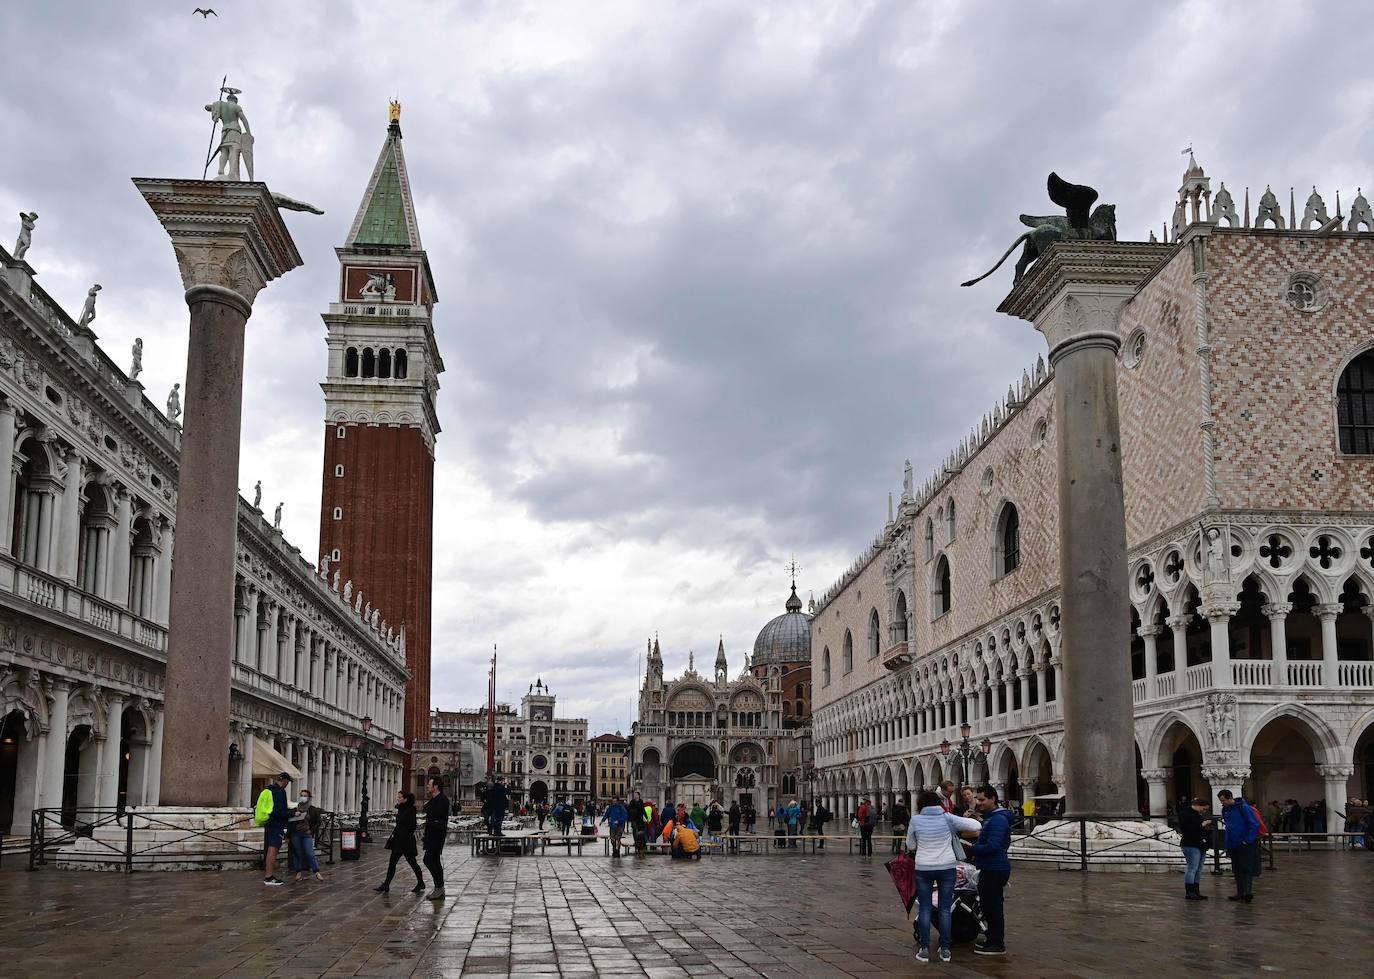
(1251,674)
(897,656)
(399,311)
(71,607)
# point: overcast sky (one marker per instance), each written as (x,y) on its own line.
(698,263)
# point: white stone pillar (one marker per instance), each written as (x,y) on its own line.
(1330,663)
(55,759)
(1337,779)
(69,520)
(269,649)
(1277,613)
(1149,635)
(1024,677)
(1229,777)
(43,558)
(1219,619)
(154,768)
(1040,683)
(119,548)
(7,433)
(1159,798)
(163,605)
(107,795)
(246,769)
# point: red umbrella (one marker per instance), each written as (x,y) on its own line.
(903,871)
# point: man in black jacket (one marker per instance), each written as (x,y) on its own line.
(497,801)
(436,831)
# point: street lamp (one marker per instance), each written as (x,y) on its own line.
(965,751)
(365,751)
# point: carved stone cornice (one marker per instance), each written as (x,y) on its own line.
(1097,272)
(226,234)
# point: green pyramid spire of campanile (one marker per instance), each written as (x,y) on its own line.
(387,214)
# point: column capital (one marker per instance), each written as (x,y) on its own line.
(1220,611)
(1335,773)
(1149,631)
(1225,773)
(1179,621)
(229,236)
(1154,774)
(1328,611)
(1278,610)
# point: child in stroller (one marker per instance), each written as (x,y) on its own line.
(968,914)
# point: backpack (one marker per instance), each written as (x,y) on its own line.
(686,840)
(262,812)
(1264,829)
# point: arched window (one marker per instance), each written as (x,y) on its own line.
(874,642)
(351,362)
(847,657)
(369,362)
(399,364)
(899,619)
(1355,405)
(825,667)
(949,520)
(1008,540)
(384,362)
(930,538)
(941,593)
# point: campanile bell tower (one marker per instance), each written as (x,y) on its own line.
(377,503)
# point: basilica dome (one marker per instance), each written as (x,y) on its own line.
(786,639)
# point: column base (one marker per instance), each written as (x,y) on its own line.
(1113,845)
(170,838)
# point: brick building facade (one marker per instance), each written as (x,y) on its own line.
(1246,387)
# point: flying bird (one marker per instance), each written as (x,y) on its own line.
(204,12)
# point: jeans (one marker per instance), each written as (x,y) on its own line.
(1193,856)
(866,840)
(925,883)
(494,821)
(433,860)
(303,853)
(1243,861)
(990,886)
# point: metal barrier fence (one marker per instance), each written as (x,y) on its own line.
(1085,852)
(55,833)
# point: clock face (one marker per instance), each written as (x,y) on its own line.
(539,763)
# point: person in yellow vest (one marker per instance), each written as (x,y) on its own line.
(271,813)
(1028,811)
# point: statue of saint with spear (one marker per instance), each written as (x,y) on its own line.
(236,140)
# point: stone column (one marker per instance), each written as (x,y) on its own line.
(107,793)
(1178,625)
(1230,777)
(1040,683)
(1149,635)
(1027,788)
(1277,613)
(1330,664)
(307,769)
(7,433)
(1024,677)
(245,790)
(1074,295)
(69,520)
(1159,797)
(55,759)
(155,761)
(230,241)
(119,548)
(1219,618)
(1337,779)
(163,605)
(270,650)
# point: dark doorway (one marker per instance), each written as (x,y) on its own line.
(71,773)
(693,759)
(539,792)
(11,733)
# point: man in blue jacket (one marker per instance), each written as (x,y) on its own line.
(994,867)
(1242,843)
(615,817)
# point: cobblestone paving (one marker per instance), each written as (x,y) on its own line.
(777,916)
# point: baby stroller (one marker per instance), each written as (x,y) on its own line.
(967,916)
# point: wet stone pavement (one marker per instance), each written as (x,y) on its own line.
(780,916)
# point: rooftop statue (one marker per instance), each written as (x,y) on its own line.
(1077,224)
(21,245)
(88,310)
(236,139)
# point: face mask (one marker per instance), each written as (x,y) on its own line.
(304,800)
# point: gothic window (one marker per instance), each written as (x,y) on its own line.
(399,364)
(384,362)
(949,520)
(1008,540)
(369,362)
(941,591)
(874,642)
(351,362)
(899,619)
(1355,405)
(847,657)
(825,667)
(930,538)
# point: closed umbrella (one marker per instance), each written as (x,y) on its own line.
(903,871)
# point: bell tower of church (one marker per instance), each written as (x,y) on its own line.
(377,503)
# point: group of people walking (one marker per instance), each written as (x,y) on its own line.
(402,844)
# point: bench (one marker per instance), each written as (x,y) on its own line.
(1303,841)
(485,845)
(568,841)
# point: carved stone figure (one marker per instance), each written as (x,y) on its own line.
(1224,208)
(358,602)
(348,590)
(276,517)
(25,239)
(1221,721)
(335,584)
(1269,210)
(257,495)
(236,139)
(1360,213)
(174,405)
(324,566)
(136,368)
(1077,224)
(375,619)
(1217,570)
(88,310)
(1314,213)
(907,482)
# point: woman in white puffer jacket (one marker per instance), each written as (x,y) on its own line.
(930,835)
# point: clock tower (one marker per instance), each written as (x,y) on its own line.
(377,503)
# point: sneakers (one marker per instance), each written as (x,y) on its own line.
(297,879)
(944,955)
(319,876)
(990,949)
(273,881)
(923,955)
